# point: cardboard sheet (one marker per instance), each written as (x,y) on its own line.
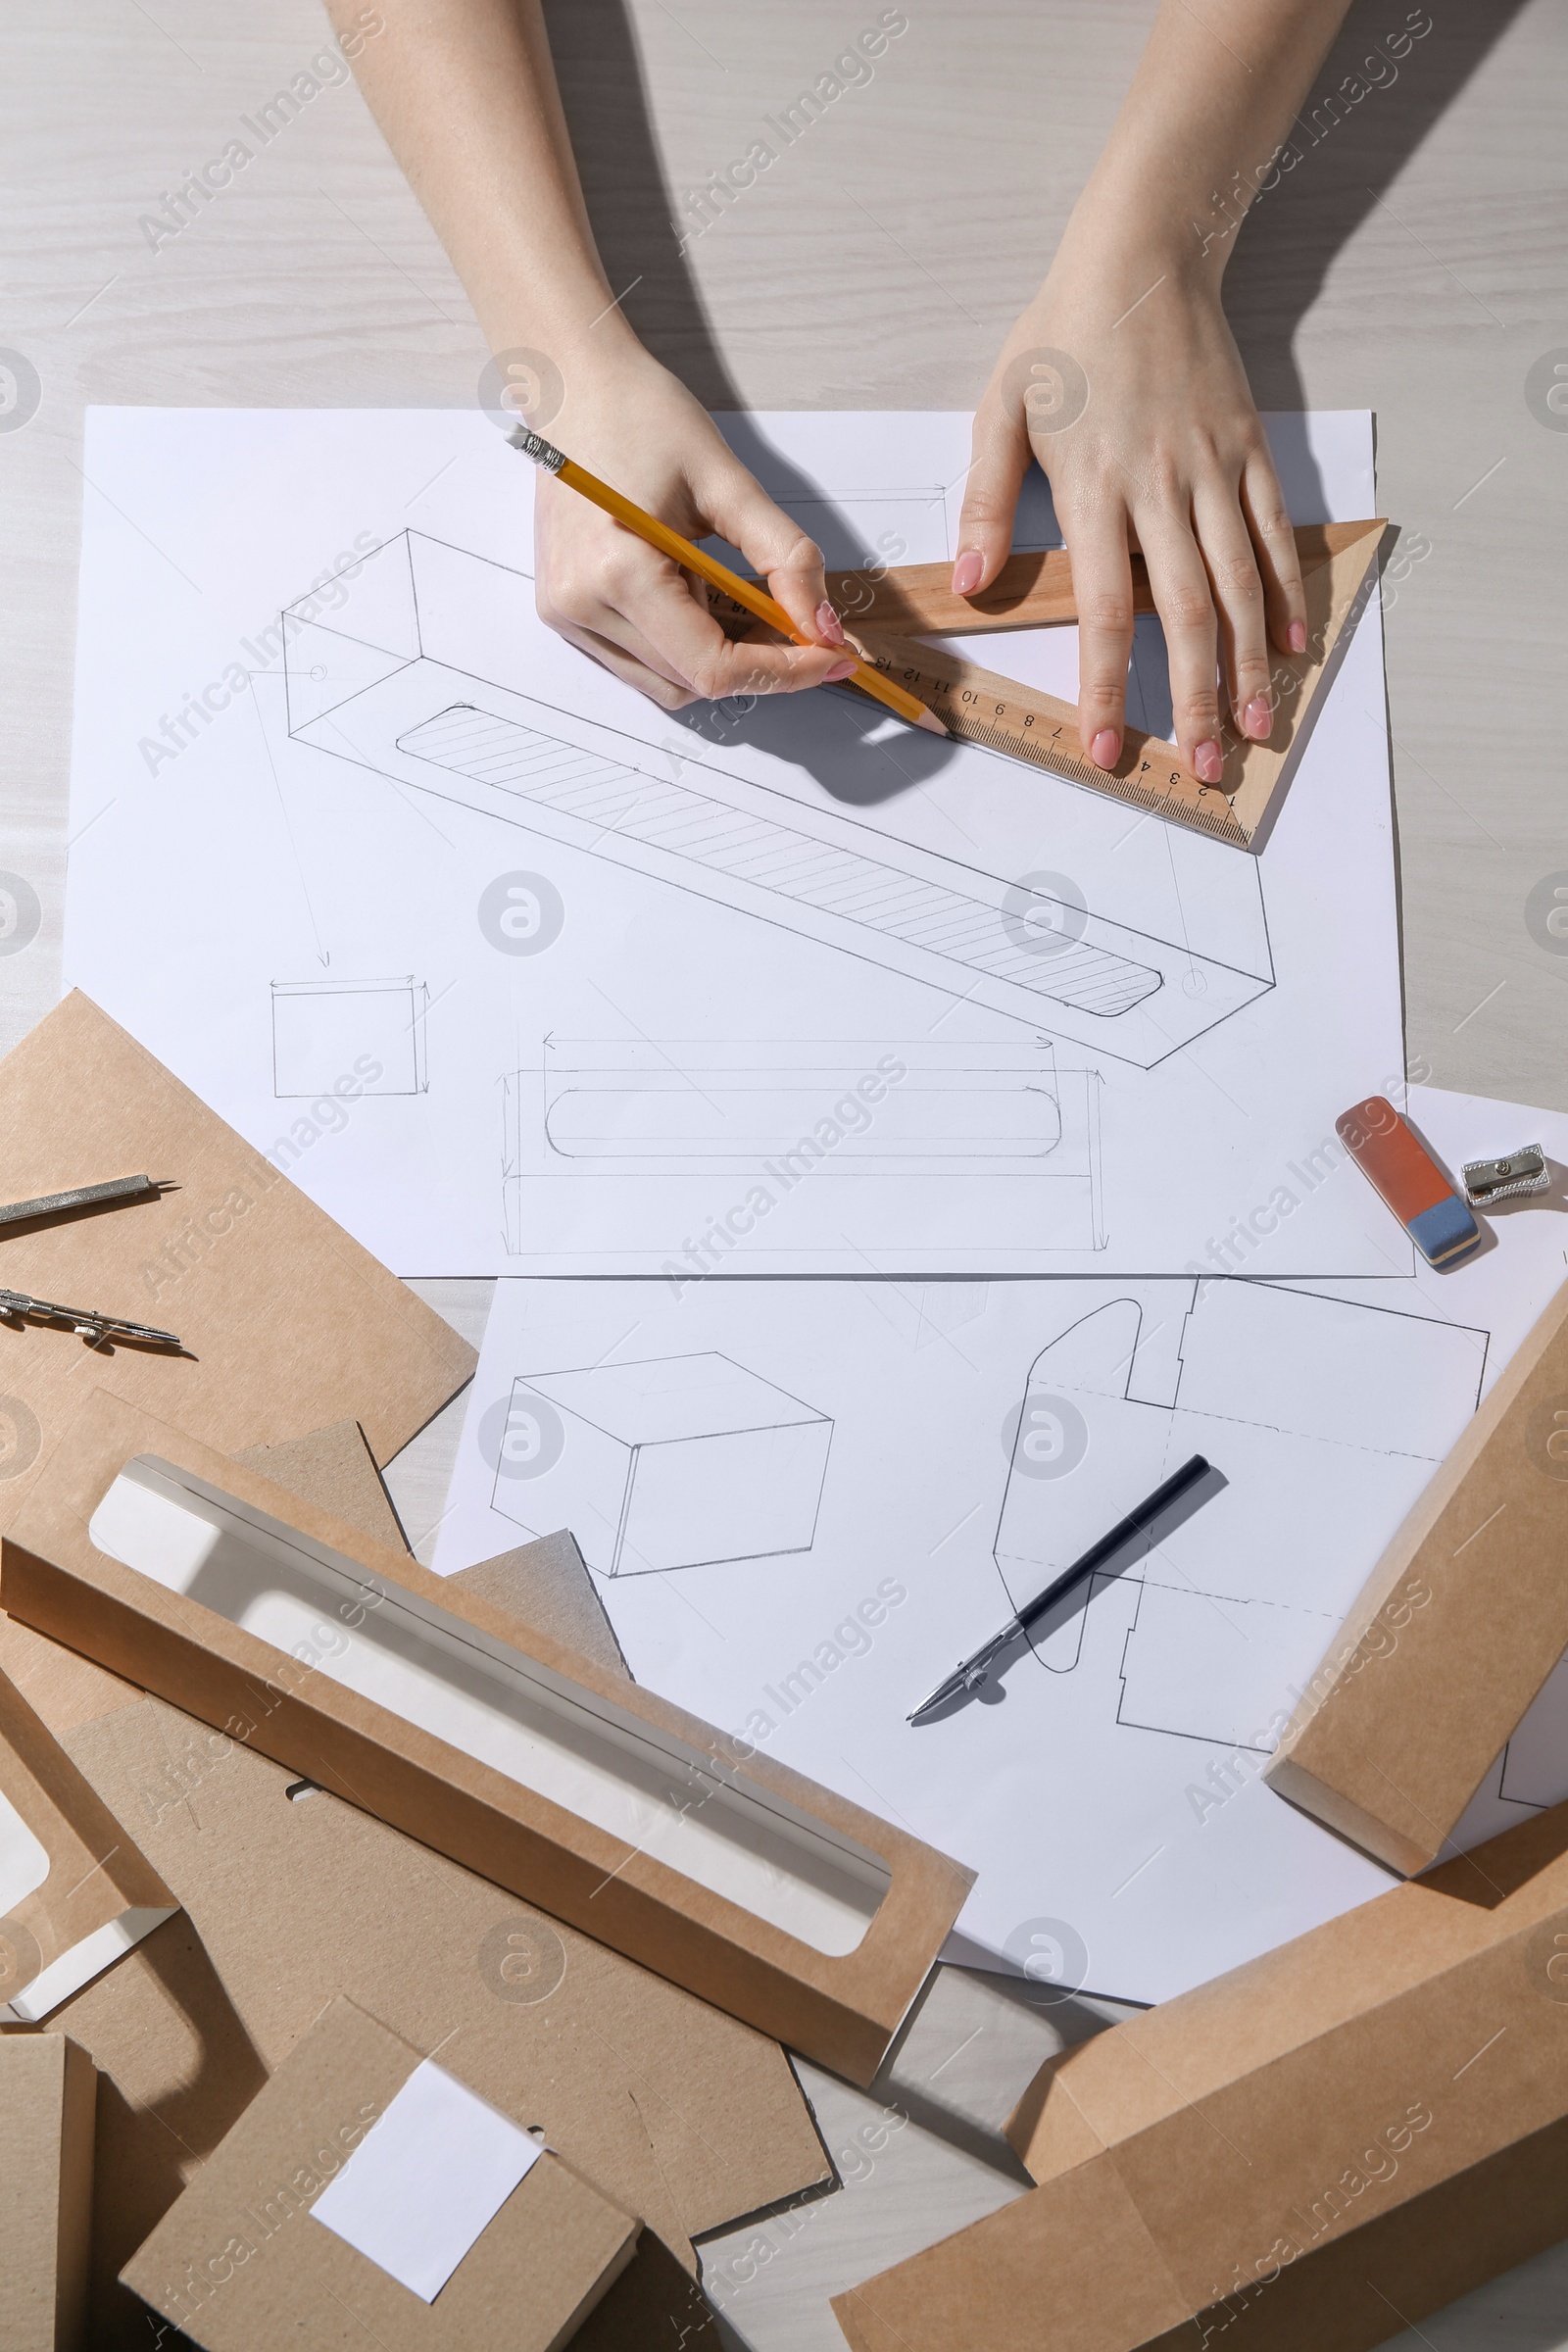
(286,1322)
(688,2118)
(47,2095)
(441,904)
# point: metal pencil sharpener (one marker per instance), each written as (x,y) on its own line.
(1488,1180)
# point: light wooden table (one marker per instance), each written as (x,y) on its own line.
(1416,263)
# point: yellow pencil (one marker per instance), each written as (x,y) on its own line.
(745,593)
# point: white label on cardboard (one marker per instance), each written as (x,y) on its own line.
(428,2176)
(24,1861)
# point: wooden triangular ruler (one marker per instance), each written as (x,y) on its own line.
(889,614)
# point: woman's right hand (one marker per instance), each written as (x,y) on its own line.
(633,609)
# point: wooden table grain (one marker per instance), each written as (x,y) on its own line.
(1415,263)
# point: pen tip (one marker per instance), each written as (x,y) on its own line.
(929,720)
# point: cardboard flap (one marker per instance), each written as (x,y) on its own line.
(1071,2265)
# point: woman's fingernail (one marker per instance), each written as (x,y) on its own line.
(1295,637)
(841,670)
(966,572)
(1105,750)
(1209,762)
(829,627)
(1257,720)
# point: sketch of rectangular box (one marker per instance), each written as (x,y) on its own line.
(349,1037)
(775,1111)
(423,677)
(680,1463)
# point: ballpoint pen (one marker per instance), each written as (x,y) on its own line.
(974,1670)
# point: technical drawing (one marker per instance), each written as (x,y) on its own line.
(392,685)
(349,1037)
(1290,1396)
(774,1112)
(679,1462)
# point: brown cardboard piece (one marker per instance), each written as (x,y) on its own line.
(241,2264)
(887,1899)
(335,1467)
(75,1893)
(286,1322)
(47,2089)
(545,1583)
(1305,2155)
(1455,1631)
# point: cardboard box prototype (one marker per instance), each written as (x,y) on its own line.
(1458,1626)
(1304,2155)
(48,2093)
(241,2264)
(668,1841)
(75,1891)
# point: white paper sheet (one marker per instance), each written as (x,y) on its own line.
(427,2179)
(806,1501)
(511,972)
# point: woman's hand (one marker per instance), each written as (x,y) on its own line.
(1151,441)
(633,609)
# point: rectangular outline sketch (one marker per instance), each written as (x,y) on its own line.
(804,865)
(674,1491)
(1208,1701)
(1063,1630)
(825,1073)
(418,999)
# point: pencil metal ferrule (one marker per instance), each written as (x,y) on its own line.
(534,444)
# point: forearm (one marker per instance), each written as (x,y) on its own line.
(466,94)
(1211,104)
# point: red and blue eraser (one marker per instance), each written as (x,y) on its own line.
(1409,1180)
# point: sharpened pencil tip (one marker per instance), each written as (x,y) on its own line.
(931,724)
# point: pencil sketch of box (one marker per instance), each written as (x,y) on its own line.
(679,1462)
(349,1037)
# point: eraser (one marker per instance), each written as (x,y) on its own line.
(1409,1180)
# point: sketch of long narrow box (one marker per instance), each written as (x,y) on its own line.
(679,1462)
(424,677)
